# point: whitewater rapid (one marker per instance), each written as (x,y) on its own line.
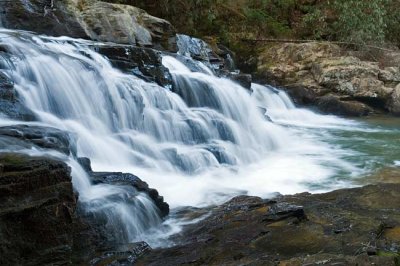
(203,142)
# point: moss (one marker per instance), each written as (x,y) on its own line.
(395,255)
(12,159)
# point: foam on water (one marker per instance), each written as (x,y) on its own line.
(201,143)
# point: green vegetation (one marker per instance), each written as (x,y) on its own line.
(373,21)
(357,21)
(229,21)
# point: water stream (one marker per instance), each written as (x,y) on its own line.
(201,143)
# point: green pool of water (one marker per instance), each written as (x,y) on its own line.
(376,148)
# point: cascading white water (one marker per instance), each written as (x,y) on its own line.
(201,143)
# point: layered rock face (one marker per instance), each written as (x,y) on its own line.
(26,137)
(90,19)
(125,25)
(55,18)
(37,211)
(41,219)
(346,227)
(324,75)
(145,63)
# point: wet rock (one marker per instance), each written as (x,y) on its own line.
(37,211)
(217,58)
(10,103)
(228,56)
(122,255)
(281,211)
(196,48)
(118,178)
(85,163)
(136,182)
(334,105)
(145,63)
(55,18)
(345,227)
(28,136)
(302,95)
(242,79)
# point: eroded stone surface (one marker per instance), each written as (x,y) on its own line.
(347,227)
(90,19)
(29,136)
(320,69)
(37,211)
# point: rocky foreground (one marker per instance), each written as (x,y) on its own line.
(42,221)
(359,226)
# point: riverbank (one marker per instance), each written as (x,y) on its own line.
(357,226)
(80,118)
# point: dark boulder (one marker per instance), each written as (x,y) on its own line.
(28,136)
(145,63)
(131,180)
(40,218)
(48,17)
(334,105)
(11,105)
(243,80)
(85,163)
(302,95)
(37,211)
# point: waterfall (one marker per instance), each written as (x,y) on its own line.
(202,142)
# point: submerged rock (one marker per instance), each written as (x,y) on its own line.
(345,227)
(131,180)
